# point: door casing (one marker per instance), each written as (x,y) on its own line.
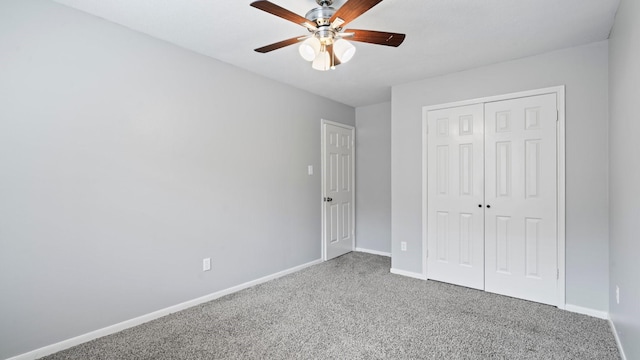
(323,244)
(559,91)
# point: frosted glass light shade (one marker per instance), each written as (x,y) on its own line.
(344,50)
(322,62)
(309,48)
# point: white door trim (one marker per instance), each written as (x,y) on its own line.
(324,122)
(560,96)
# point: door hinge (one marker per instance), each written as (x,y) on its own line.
(557,115)
(557,274)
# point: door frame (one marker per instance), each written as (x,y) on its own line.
(324,122)
(559,91)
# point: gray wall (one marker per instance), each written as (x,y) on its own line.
(373,177)
(584,72)
(124,161)
(624,190)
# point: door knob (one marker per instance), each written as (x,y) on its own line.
(480,205)
(328,199)
(488,206)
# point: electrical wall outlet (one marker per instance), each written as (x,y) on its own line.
(403,246)
(206,264)
(617,294)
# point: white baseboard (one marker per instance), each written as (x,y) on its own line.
(408,274)
(618,342)
(374,252)
(587,311)
(66,344)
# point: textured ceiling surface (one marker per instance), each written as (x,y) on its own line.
(443,36)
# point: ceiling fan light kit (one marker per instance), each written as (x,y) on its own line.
(322,62)
(326,47)
(310,48)
(343,50)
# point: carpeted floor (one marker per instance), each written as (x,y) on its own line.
(353,308)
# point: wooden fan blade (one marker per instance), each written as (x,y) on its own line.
(276,10)
(280,44)
(352,9)
(376,37)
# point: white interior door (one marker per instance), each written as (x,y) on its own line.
(520,195)
(338,194)
(456,196)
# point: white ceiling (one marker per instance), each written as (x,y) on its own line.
(443,36)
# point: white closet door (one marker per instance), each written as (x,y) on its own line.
(455,219)
(520,194)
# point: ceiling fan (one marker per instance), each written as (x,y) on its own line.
(326,45)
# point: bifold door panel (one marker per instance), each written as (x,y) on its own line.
(492,197)
(520,173)
(455,191)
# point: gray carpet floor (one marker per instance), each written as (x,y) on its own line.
(353,308)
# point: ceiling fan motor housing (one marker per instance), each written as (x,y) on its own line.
(321,15)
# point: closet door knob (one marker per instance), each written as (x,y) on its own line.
(480,205)
(488,206)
